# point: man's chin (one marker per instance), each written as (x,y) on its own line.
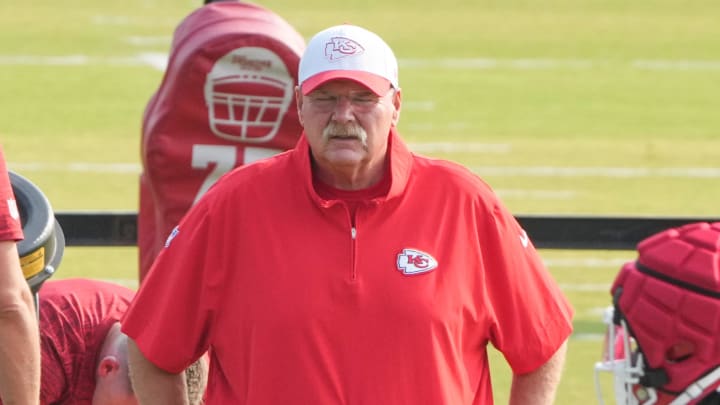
(345,157)
(339,141)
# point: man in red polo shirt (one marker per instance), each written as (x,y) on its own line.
(19,347)
(348,270)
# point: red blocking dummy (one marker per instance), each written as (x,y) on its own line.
(226,100)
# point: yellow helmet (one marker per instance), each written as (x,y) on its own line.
(42,248)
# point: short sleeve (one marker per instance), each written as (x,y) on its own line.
(10,226)
(531,315)
(173,299)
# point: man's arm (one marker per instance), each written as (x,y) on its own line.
(538,387)
(153,385)
(19,336)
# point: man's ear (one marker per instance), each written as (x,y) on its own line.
(298,103)
(108,365)
(397,102)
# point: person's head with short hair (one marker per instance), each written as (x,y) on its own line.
(349,99)
(662,339)
(112,376)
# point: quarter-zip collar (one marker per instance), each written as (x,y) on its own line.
(400,164)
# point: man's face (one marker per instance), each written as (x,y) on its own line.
(346,124)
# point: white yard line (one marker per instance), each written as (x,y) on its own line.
(459,147)
(586,287)
(72,60)
(555,64)
(141,41)
(591,262)
(617,172)
(537,194)
(492,63)
(433,147)
(158,60)
(82,167)
(676,64)
(592,337)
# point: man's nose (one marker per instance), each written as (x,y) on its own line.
(343,109)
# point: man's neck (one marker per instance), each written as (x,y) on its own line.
(351,177)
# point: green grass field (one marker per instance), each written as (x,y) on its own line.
(563,106)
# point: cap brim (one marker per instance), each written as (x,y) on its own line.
(377,84)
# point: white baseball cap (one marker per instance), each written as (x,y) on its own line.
(348,52)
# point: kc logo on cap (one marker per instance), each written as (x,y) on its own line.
(348,52)
(339,47)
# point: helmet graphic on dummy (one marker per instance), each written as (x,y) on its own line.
(663,339)
(43,245)
(247,93)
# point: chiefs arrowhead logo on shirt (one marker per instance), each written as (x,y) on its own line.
(411,262)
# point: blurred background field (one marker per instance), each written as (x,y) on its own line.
(563,106)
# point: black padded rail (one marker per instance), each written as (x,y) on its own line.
(598,232)
(547,231)
(98,228)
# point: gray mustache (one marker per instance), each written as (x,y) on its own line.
(333,129)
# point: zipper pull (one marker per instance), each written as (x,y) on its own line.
(353,232)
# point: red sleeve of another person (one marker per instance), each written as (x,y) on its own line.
(10,227)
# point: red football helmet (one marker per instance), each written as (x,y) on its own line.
(662,342)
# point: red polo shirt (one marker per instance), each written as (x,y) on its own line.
(302,304)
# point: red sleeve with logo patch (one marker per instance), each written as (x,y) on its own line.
(179,282)
(10,227)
